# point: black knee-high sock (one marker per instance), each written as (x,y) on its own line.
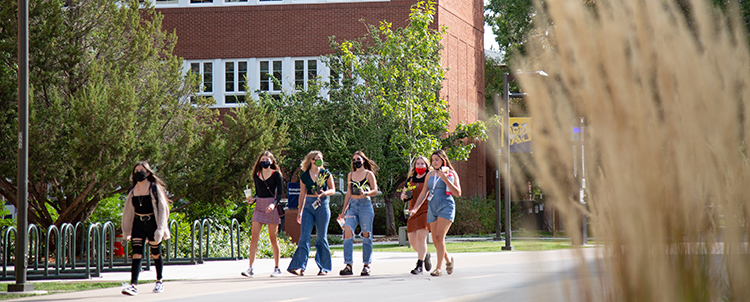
(159,263)
(135,270)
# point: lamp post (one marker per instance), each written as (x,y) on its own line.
(23,152)
(507,95)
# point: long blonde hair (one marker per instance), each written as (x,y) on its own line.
(305,165)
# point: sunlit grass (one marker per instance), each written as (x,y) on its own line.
(62,287)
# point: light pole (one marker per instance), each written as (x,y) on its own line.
(23,152)
(507,95)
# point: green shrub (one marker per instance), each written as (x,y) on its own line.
(476,215)
(332,240)
(265,250)
(109,209)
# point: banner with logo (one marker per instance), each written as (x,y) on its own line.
(520,135)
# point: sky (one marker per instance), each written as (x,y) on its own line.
(489,37)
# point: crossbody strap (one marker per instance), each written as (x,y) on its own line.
(264,182)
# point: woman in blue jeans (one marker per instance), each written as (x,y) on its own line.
(316,184)
(358,210)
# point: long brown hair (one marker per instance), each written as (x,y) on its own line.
(305,165)
(257,168)
(366,163)
(413,170)
(151,177)
(441,154)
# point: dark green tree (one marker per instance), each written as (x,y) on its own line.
(106,92)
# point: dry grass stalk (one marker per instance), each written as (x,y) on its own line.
(667,110)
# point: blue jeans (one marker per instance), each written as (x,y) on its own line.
(318,217)
(360,211)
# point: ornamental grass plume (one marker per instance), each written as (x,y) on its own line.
(664,89)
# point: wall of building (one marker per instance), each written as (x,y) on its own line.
(302,30)
(264,31)
(464,81)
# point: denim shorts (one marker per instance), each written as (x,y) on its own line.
(441,207)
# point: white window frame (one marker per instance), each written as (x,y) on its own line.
(201,72)
(305,71)
(272,89)
(237,88)
(186,3)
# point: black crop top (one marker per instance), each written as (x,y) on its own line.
(415,180)
(142,204)
(360,183)
(310,183)
(275,184)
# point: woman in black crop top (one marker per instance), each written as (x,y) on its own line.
(269,189)
(144,218)
(316,184)
(358,209)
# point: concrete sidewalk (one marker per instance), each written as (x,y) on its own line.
(523,276)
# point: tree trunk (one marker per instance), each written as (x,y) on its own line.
(390,222)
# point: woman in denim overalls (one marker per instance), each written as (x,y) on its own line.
(442,186)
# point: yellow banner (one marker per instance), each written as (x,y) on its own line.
(520,135)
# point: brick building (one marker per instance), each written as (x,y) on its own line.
(227,41)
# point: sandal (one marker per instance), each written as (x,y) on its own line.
(436,273)
(322,273)
(298,272)
(449,267)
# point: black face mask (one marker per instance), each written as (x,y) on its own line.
(265,164)
(357,164)
(140,176)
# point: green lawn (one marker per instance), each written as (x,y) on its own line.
(475,246)
(61,287)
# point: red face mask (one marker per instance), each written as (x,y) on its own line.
(420,170)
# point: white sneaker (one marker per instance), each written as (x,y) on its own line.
(248,273)
(129,289)
(276,272)
(159,287)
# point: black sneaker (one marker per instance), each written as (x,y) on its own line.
(365,271)
(417,270)
(427,262)
(347,271)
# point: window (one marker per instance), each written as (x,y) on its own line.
(201,1)
(206,70)
(266,79)
(235,80)
(334,78)
(304,72)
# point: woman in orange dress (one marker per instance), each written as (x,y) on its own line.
(416,225)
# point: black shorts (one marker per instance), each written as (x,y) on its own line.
(144,229)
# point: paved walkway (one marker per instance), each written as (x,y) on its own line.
(508,276)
